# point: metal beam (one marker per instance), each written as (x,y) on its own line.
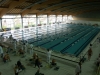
(3,1)
(37,6)
(58,4)
(81,8)
(12,5)
(68,3)
(78,5)
(82,11)
(33,5)
(72,4)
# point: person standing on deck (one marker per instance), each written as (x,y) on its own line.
(26,46)
(49,56)
(10,38)
(1,51)
(89,53)
(31,49)
(91,46)
(1,38)
(15,44)
(78,68)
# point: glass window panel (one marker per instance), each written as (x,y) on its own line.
(64,18)
(59,18)
(42,19)
(70,17)
(7,23)
(30,22)
(17,23)
(52,19)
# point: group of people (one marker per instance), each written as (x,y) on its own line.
(3,38)
(24,45)
(26,48)
(5,56)
(37,60)
(78,66)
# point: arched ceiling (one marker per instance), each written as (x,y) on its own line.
(68,7)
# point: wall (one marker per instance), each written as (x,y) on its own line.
(88,18)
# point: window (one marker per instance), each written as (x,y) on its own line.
(11,21)
(70,17)
(52,19)
(42,19)
(64,18)
(59,18)
(29,20)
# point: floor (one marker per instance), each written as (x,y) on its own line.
(65,67)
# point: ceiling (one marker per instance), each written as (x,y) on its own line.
(64,7)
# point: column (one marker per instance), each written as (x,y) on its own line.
(62,18)
(47,26)
(47,19)
(36,26)
(1,23)
(56,18)
(22,28)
